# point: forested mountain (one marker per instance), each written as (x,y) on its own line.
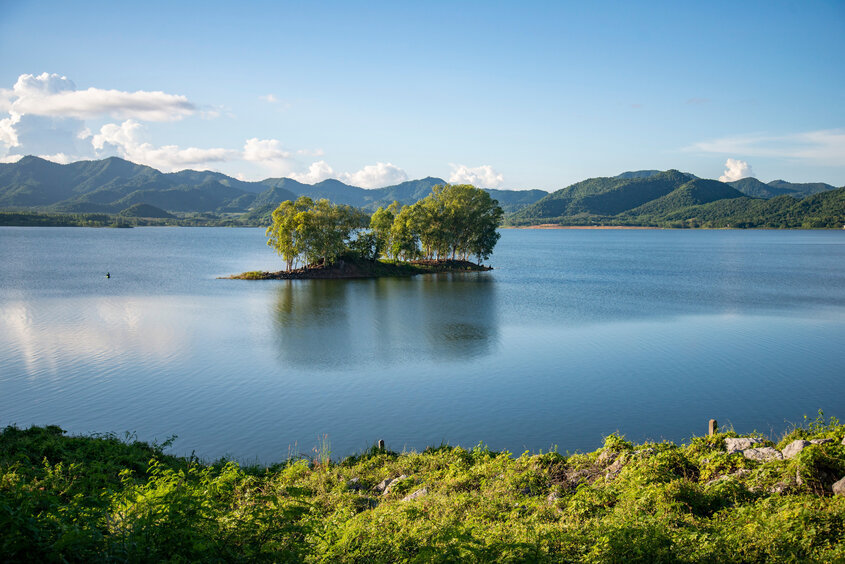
(113,185)
(675,199)
(645,197)
(756,189)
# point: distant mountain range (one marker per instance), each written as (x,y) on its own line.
(115,185)
(645,197)
(678,199)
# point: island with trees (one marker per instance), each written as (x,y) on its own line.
(454,228)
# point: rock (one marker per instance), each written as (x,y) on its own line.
(839,487)
(354,484)
(763,454)
(419,493)
(821,441)
(392,483)
(382,486)
(739,445)
(552,497)
(606,457)
(795,447)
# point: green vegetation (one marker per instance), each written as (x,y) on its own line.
(678,200)
(454,222)
(103,499)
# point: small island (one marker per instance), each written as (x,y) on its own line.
(440,233)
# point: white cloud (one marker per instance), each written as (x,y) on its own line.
(10,158)
(269,98)
(481,176)
(375,176)
(57,96)
(826,147)
(371,176)
(736,169)
(317,172)
(127,138)
(60,158)
(8,133)
(262,150)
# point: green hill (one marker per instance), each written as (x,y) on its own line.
(113,184)
(605,196)
(145,210)
(675,199)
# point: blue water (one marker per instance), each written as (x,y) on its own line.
(574,335)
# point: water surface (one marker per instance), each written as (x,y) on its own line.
(574,335)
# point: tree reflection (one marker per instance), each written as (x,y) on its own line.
(349,323)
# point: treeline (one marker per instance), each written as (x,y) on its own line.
(454,221)
(825,210)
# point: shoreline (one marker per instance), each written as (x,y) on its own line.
(346,269)
(556,226)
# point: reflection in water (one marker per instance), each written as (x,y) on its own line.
(334,323)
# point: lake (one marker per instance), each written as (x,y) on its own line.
(576,334)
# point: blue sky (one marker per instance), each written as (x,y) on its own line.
(508,95)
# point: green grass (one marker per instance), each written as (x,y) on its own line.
(102,498)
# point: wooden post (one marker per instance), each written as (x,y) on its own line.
(713,427)
(381,444)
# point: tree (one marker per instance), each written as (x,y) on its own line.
(313,231)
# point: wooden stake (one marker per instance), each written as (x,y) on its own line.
(713,427)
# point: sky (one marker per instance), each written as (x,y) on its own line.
(512,95)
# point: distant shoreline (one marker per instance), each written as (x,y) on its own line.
(556,226)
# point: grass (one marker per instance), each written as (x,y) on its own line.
(103,498)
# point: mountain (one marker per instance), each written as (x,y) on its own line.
(806,189)
(638,174)
(675,199)
(756,189)
(112,185)
(602,196)
(693,193)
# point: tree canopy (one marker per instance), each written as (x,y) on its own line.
(453,222)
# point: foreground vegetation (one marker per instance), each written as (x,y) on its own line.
(103,499)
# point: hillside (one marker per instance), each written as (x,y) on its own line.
(756,189)
(112,185)
(676,199)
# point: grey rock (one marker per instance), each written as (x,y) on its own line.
(821,441)
(839,487)
(392,483)
(795,447)
(354,484)
(762,454)
(607,456)
(382,486)
(552,497)
(739,445)
(419,493)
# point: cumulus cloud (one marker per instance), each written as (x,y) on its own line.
(736,169)
(10,158)
(55,95)
(261,150)
(128,139)
(371,176)
(481,176)
(60,158)
(375,176)
(317,172)
(825,147)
